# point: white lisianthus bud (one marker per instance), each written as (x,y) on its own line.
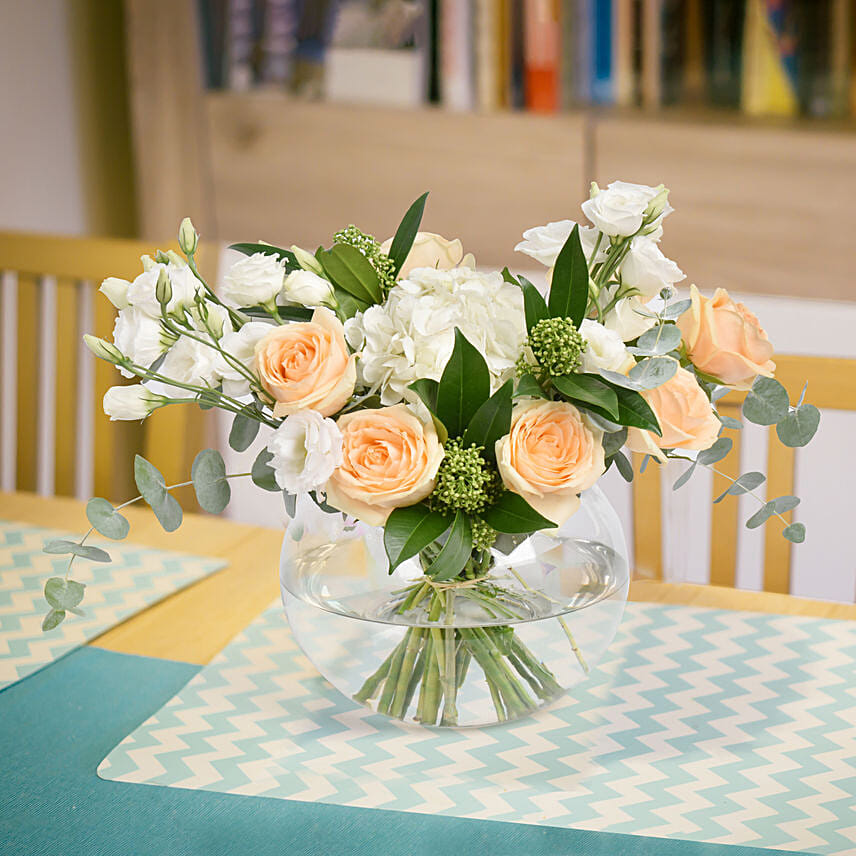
(148,262)
(593,190)
(306,260)
(103,349)
(131,402)
(306,450)
(188,239)
(116,291)
(255,280)
(658,204)
(308,289)
(163,290)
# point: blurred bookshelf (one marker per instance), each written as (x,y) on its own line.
(286,119)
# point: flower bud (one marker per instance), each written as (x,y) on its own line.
(188,239)
(131,402)
(103,349)
(116,291)
(308,289)
(174,258)
(307,261)
(593,190)
(658,204)
(148,262)
(163,289)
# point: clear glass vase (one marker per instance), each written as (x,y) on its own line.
(468,653)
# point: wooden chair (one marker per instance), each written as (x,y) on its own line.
(54,436)
(831,384)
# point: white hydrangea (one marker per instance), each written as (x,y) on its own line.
(411,336)
(544,243)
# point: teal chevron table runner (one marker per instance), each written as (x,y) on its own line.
(710,725)
(136,578)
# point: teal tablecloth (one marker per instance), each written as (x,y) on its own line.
(57,725)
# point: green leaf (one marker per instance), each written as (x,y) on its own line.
(456,551)
(658,340)
(729,422)
(289,500)
(653,372)
(716,452)
(684,477)
(625,468)
(534,305)
(208,474)
(590,389)
(244,431)
(152,487)
(406,233)
(426,388)
(674,310)
(464,386)
(262,474)
(348,305)
(64,547)
(54,618)
(351,271)
(250,249)
(411,529)
(745,483)
(569,285)
(781,504)
(106,520)
(529,387)
(491,421)
(513,515)
(613,441)
(761,516)
(795,533)
(509,277)
(767,402)
(616,379)
(61,593)
(799,426)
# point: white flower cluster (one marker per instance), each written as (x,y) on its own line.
(411,336)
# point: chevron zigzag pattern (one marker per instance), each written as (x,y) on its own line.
(136,578)
(711,725)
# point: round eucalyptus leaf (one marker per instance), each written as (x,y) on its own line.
(795,533)
(106,520)
(209,481)
(61,593)
(716,452)
(262,474)
(799,426)
(244,431)
(653,372)
(761,516)
(72,548)
(767,402)
(54,618)
(659,340)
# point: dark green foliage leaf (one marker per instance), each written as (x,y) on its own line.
(729,422)
(262,474)
(653,372)
(456,551)
(406,232)
(716,452)
(745,483)
(625,468)
(426,388)
(352,272)
(569,285)
(63,547)
(152,488)
(766,403)
(684,477)
(106,520)
(509,277)
(244,431)
(411,529)
(529,387)
(464,386)
(61,593)
(676,309)
(589,389)
(658,340)
(613,441)
(208,474)
(348,305)
(799,426)
(795,533)
(289,313)
(250,249)
(513,515)
(54,618)
(491,421)
(534,305)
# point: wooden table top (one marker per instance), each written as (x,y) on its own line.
(194,624)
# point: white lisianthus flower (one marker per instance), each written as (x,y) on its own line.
(255,280)
(240,345)
(646,269)
(604,349)
(306,449)
(140,337)
(544,243)
(116,291)
(184,285)
(619,209)
(130,402)
(624,319)
(411,336)
(190,362)
(307,289)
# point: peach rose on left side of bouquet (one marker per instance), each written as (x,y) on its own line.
(390,459)
(725,340)
(549,455)
(305,365)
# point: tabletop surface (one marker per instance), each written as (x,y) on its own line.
(198,622)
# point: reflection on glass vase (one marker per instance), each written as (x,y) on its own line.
(513,635)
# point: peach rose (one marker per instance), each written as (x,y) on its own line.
(725,340)
(433,251)
(686,418)
(390,459)
(550,455)
(305,365)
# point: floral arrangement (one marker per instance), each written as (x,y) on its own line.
(455,407)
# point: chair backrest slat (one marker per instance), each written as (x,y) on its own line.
(647,521)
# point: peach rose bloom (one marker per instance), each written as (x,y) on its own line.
(305,365)
(390,459)
(432,251)
(725,340)
(550,454)
(686,418)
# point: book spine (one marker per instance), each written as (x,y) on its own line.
(622,51)
(487,55)
(542,55)
(768,84)
(584,52)
(602,82)
(693,52)
(672,27)
(840,36)
(240,41)
(652,50)
(456,58)
(517,56)
(279,40)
